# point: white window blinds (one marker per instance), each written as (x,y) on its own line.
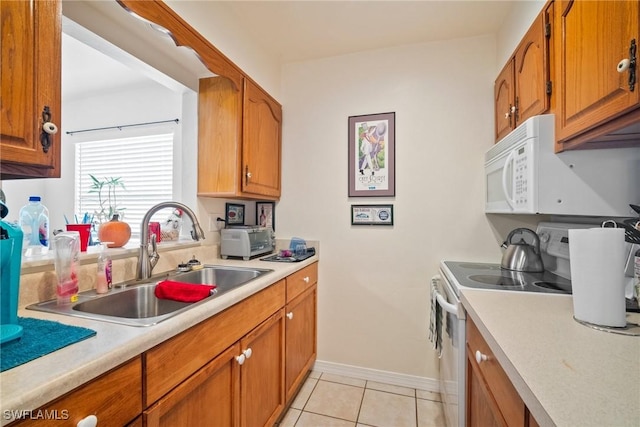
(143,164)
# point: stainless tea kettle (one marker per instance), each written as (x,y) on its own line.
(521,256)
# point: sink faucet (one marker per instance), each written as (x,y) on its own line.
(147,261)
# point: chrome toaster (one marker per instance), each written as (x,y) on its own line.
(246,242)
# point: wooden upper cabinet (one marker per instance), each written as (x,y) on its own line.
(239,141)
(593,38)
(31,81)
(261,142)
(522,88)
(504,101)
(532,58)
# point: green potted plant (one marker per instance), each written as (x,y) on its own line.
(112,230)
(108,202)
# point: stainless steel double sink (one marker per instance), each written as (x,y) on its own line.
(136,304)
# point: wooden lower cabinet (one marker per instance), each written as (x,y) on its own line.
(209,397)
(236,369)
(243,386)
(492,400)
(301,328)
(481,411)
(115,398)
(262,373)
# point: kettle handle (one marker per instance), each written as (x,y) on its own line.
(536,239)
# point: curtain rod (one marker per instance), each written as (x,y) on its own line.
(123,126)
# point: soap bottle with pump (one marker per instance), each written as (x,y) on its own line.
(103,274)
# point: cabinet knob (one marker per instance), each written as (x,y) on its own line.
(248,352)
(623,65)
(90,421)
(289,315)
(506,116)
(240,359)
(306,279)
(48,129)
(480,357)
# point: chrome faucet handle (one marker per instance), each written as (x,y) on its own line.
(154,256)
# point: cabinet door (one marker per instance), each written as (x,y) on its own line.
(115,398)
(532,72)
(262,373)
(207,398)
(30,73)
(261,142)
(480,411)
(501,395)
(592,37)
(301,328)
(504,100)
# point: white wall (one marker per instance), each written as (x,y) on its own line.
(218,24)
(516,24)
(374,281)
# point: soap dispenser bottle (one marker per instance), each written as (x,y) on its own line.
(103,273)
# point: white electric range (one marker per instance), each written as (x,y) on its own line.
(456,275)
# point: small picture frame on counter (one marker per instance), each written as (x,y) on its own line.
(371,214)
(266,214)
(234,214)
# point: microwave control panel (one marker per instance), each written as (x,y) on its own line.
(521,178)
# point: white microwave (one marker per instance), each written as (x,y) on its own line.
(523,175)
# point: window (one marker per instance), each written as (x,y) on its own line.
(144,164)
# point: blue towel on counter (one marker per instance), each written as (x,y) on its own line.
(39,337)
(435,322)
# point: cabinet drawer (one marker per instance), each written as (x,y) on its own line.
(504,393)
(301,280)
(115,398)
(173,361)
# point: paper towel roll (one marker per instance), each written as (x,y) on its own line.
(597,275)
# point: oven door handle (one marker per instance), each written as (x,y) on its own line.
(448,307)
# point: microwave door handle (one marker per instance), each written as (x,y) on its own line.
(507,196)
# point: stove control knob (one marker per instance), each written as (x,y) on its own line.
(544,237)
(480,357)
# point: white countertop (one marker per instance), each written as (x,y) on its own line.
(33,384)
(567,374)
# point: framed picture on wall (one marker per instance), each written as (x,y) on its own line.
(371,214)
(234,214)
(265,214)
(372,155)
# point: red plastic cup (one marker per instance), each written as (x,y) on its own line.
(154,228)
(84,230)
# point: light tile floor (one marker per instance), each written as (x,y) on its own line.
(327,400)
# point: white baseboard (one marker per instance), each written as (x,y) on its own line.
(393,378)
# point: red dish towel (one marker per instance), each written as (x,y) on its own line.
(185,292)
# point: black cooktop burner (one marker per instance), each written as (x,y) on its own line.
(476,266)
(491,276)
(496,280)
